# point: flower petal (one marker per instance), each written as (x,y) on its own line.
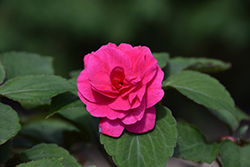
(86,90)
(112,128)
(154,91)
(146,124)
(120,103)
(101,63)
(103,110)
(149,74)
(135,115)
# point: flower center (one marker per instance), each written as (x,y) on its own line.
(117,76)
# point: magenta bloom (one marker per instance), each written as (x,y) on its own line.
(121,84)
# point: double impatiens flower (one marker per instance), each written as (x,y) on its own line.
(121,84)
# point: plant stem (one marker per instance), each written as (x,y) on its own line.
(219,162)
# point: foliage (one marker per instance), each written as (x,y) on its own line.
(43,122)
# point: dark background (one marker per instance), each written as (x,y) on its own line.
(69,29)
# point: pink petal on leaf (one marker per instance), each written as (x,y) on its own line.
(112,128)
(146,124)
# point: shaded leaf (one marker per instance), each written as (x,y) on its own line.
(49,130)
(178,64)
(49,151)
(162,58)
(35,87)
(233,155)
(71,107)
(5,151)
(64,101)
(83,118)
(243,131)
(55,162)
(192,146)
(9,123)
(73,81)
(227,117)
(2,73)
(38,104)
(148,149)
(241,114)
(75,73)
(203,89)
(22,63)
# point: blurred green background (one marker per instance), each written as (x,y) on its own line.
(69,29)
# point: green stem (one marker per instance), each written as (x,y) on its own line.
(219,162)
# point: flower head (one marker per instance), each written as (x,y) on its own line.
(121,84)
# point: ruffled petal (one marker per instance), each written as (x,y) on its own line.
(154,91)
(86,90)
(103,110)
(100,65)
(135,103)
(146,124)
(112,128)
(138,92)
(135,114)
(149,58)
(149,74)
(120,103)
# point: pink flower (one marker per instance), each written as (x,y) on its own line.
(121,84)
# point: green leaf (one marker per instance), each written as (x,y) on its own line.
(2,73)
(53,162)
(233,155)
(243,130)
(37,104)
(5,151)
(203,89)
(227,117)
(178,64)
(73,81)
(148,149)
(71,107)
(37,87)
(75,73)
(49,151)
(230,118)
(82,117)
(162,58)
(21,63)
(9,123)
(192,146)
(47,130)
(64,101)
(241,114)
